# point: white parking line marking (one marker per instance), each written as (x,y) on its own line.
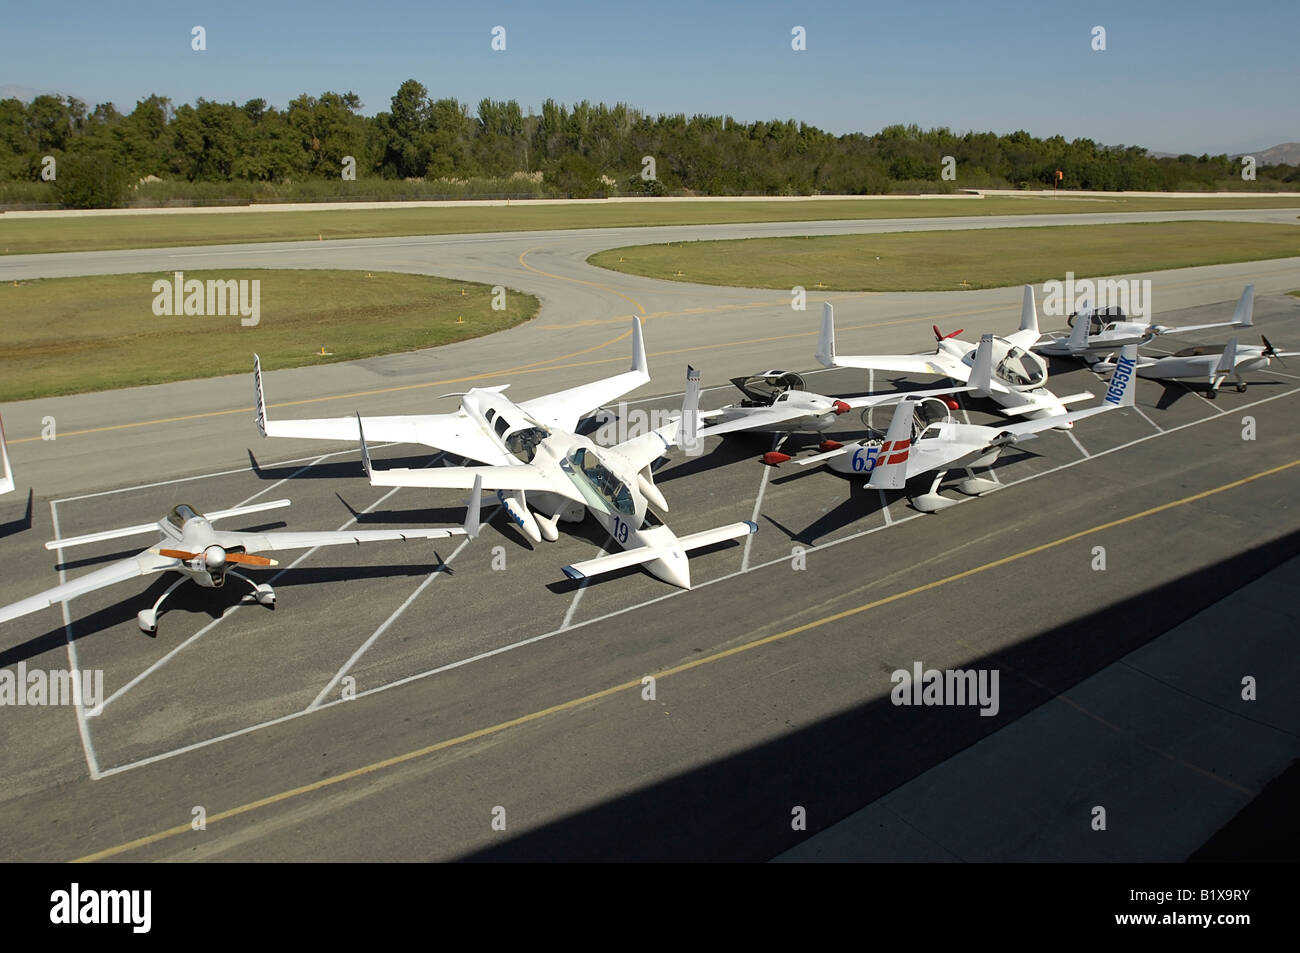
(1075,441)
(1148,419)
(87,747)
(156,758)
(235,608)
(429,580)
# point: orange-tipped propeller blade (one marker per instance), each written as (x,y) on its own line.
(178,554)
(247,559)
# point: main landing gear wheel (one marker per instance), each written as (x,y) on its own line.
(1241,388)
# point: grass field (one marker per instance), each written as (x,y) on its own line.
(955,260)
(31,235)
(71,335)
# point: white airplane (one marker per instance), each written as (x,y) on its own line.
(908,450)
(489,428)
(1091,337)
(6,474)
(1018,378)
(615,484)
(204,555)
(1209,364)
(776,402)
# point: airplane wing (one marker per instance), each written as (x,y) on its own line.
(141,565)
(613,562)
(563,408)
(873,400)
(270,542)
(455,432)
(6,474)
(757,418)
(1029,428)
(908,364)
(522,477)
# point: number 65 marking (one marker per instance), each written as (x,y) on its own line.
(864,459)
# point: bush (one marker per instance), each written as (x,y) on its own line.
(91,180)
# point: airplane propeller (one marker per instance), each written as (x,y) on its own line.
(938,336)
(1270,351)
(214,557)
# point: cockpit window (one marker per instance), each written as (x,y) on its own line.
(523,443)
(599,485)
(180,515)
(1021,368)
(502,425)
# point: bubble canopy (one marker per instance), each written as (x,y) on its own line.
(182,514)
(598,484)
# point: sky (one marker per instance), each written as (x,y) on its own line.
(1191,76)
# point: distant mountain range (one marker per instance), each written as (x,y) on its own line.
(1288,153)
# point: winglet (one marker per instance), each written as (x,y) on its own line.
(472,524)
(688,437)
(981,372)
(639,362)
(260,395)
(1123,382)
(1228,359)
(890,471)
(1244,316)
(365,451)
(1078,341)
(1029,311)
(6,475)
(826,342)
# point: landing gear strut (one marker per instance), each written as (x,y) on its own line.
(147,619)
(263,593)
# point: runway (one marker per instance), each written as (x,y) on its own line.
(400,694)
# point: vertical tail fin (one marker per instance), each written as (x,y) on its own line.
(259,396)
(1123,382)
(6,475)
(365,451)
(688,434)
(639,362)
(1228,359)
(1029,311)
(981,372)
(1244,316)
(890,471)
(1079,333)
(473,511)
(826,342)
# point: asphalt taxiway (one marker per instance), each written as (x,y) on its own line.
(399,695)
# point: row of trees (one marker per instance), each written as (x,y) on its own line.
(101,154)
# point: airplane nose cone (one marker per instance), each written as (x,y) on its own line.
(841,407)
(674,569)
(214,557)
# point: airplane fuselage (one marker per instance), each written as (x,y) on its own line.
(942,445)
(1201,366)
(819,413)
